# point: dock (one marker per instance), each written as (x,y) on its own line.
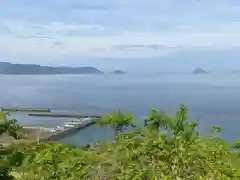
(40,133)
(25,110)
(59,115)
(68,131)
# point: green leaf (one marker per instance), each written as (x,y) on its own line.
(236,145)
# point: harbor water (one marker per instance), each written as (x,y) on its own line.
(213,99)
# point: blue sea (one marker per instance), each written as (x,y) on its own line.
(213,99)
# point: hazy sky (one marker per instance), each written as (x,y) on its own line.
(150,34)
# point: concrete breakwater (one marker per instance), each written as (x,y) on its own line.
(66,132)
(62,115)
(25,110)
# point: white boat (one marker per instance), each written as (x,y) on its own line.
(69,125)
(87,119)
(80,122)
(75,123)
(59,128)
(52,130)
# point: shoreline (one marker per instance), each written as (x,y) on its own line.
(36,134)
(68,131)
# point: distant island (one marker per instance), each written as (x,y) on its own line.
(118,72)
(199,71)
(25,69)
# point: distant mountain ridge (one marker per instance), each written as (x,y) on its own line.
(9,68)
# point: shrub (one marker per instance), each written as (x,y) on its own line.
(167,148)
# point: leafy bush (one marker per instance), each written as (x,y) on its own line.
(7,157)
(167,148)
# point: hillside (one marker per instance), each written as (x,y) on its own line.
(8,68)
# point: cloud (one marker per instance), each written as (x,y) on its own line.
(100,28)
(5,30)
(85,6)
(57,43)
(48,30)
(137,47)
(70,29)
(145,45)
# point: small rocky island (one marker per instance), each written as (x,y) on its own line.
(199,71)
(118,72)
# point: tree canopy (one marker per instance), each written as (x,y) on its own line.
(168,148)
(8,158)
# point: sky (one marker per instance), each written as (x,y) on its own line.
(151,35)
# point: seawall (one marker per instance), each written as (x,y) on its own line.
(62,115)
(69,131)
(25,110)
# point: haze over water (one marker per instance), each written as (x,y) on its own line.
(214,99)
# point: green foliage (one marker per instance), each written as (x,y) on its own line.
(12,128)
(236,145)
(3,120)
(216,129)
(155,120)
(8,159)
(167,148)
(3,117)
(118,121)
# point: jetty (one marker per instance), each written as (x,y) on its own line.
(40,133)
(68,131)
(25,110)
(63,115)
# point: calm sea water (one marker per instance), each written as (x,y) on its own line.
(214,99)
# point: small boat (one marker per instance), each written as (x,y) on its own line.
(75,123)
(71,124)
(68,125)
(59,128)
(87,119)
(52,130)
(79,122)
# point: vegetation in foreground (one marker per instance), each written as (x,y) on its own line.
(167,148)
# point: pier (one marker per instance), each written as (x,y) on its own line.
(40,133)
(25,110)
(68,131)
(62,115)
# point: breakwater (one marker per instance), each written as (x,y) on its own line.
(63,115)
(25,110)
(66,132)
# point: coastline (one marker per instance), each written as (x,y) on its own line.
(68,131)
(38,134)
